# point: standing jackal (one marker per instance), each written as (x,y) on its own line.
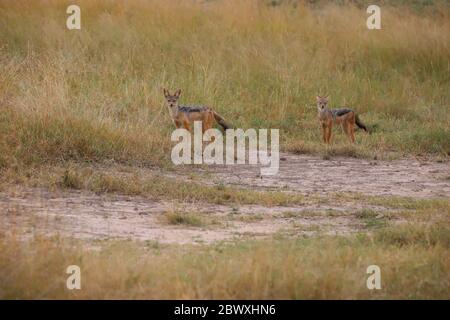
(347,118)
(184,116)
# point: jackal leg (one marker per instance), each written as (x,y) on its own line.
(329,134)
(208,121)
(351,127)
(348,129)
(324,132)
(351,130)
(187,125)
(345,127)
(207,124)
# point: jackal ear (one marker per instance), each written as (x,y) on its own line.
(166,92)
(177,93)
(318,98)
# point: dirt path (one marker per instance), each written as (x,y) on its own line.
(88,215)
(312,175)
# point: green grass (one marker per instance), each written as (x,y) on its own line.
(162,187)
(191,219)
(413,234)
(184,219)
(371,218)
(397,202)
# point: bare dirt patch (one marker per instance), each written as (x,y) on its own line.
(87,215)
(314,175)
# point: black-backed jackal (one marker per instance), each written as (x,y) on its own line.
(184,116)
(347,118)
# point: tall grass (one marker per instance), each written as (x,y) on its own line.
(95,94)
(414,264)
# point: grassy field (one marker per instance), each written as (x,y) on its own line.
(415,262)
(84,110)
(95,94)
(409,241)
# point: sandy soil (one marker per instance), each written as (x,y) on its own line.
(311,175)
(87,215)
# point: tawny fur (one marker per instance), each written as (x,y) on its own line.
(347,118)
(184,116)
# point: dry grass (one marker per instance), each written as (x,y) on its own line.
(414,262)
(410,242)
(95,94)
(93,97)
(192,219)
(185,218)
(157,186)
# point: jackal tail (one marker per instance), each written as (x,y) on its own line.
(220,120)
(360,124)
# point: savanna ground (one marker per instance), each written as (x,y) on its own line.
(86,175)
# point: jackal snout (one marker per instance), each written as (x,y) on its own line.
(322,102)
